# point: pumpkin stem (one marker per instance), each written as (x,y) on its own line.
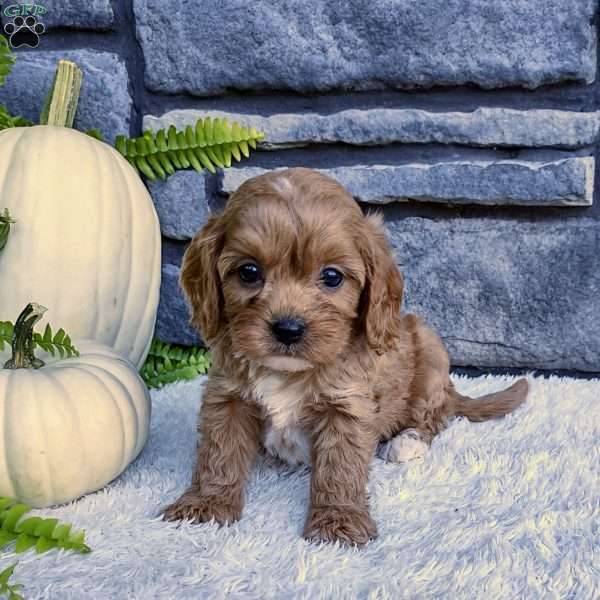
(61,103)
(22,340)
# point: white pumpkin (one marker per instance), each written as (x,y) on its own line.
(70,427)
(87,238)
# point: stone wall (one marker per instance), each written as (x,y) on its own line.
(473,125)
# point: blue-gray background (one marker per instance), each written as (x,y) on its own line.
(472,124)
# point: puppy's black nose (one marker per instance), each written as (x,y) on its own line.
(288,330)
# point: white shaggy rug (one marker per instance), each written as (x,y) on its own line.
(505,509)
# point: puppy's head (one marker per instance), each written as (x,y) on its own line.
(291,272)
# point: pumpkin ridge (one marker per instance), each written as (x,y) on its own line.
(126,444)
(75,415)
(152,307)
(84,368)
(152,294)
(40,397)
(150,303)
(20,381)
(126,374)
(12,492)
(120,331)
(99,219)
(126,212)
(7,133)
(132,379)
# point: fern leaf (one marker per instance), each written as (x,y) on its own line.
(12,515)
(213,155)
(244,149)
(166,364)
(166,164)
(47,337)
(6,574)
(7,59)
(5,222)
(156,166)
(226,150)
(6,502)
(44,544)
(59,342)
(47,341)
(7,121)
(142,165)
(6,333)
(205,160)
(210,143)
(44,534)
(95,133)
(6,537)
(193,160)
(24,542)
(29,525)
(10,588)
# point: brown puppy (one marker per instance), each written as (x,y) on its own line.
(299,297)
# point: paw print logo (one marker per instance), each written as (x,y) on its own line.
(24,31)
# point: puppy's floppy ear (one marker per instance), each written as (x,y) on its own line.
(200,279)
(382,294)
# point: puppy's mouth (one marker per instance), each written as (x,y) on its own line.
(290,364)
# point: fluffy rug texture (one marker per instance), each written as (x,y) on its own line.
(503,509)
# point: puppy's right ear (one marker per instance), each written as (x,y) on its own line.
(200,279)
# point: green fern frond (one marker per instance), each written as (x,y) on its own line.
(10,588)
(95,133)
(7,121)
(7,59)
(59,342)
(166,364)
(5,223)
(50,342)
(36,532)
(6,334)
(211,143)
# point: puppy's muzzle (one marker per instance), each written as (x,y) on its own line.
(288,330)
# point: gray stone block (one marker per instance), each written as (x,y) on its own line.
(181,203)
(483,127)
(173,312)
(506,293)
(91,14)
(321,45)
(565,182)
(104,103)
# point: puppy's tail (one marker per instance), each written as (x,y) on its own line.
(491,406)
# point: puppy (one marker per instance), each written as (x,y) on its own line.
(298,295)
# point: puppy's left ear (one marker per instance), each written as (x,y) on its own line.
(382,294)
(200,279)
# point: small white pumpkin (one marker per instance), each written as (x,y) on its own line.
(71,426)
(87,238)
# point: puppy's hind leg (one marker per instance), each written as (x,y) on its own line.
(409,444)
(429,403)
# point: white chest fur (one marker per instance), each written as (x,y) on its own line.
(282,401)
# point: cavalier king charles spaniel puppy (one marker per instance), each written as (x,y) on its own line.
(298,295)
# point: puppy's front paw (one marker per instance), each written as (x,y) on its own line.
(200,509)
(348,526)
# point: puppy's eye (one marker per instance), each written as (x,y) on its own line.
(249,273)
(331,277)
